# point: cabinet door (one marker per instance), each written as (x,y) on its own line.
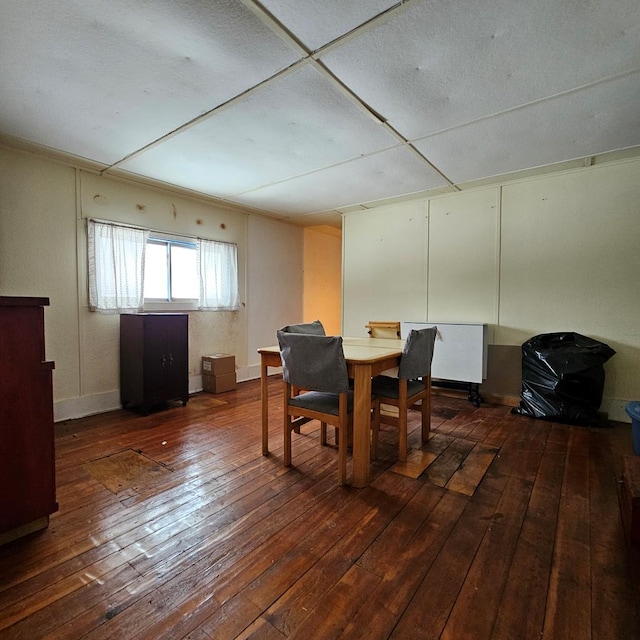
(177,358)
(166,374)
(155,358)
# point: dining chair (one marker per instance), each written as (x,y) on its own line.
(315,328)
(311,328)
(317,364)
(412,384)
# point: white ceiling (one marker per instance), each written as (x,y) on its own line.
(303,108)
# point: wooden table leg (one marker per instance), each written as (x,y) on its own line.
(361,425)
(264,399)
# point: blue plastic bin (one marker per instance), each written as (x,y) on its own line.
(633,409)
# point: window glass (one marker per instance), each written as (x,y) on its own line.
(155,272)
(184,272)
(170,272)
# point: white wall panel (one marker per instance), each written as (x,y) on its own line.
(561,254)
(275,275)
(570,262)
(384,263)
(463,257)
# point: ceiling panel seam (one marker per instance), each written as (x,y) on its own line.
(283,32)
(367,25)
(524,105)
(289,38)
(208,114)
(380,119)
(307,57)
(316,170)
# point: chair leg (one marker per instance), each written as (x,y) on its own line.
(375,430)
(323,434)
(287,441)
(402,435)
(295,391)
(426,412)
(342,458)
(287,427)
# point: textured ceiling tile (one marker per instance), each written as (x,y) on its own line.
(100,79)
(435,65)
(383,175)
(104,79)
(317,22)
(575,125)
(296,124)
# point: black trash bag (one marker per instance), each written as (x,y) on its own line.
(563,377)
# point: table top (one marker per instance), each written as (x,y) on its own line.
(360,349)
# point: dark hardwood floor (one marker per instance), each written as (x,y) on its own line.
(175,526)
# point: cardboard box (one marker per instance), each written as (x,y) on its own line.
(218,364)
(219,384)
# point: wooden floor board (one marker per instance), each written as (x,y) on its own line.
(608,554)
(437,594)
(570,580)
(409,565)
(523,603)
(505,527)
(468,476)
(483,586)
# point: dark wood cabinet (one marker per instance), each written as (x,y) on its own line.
(27,469)
(154,359)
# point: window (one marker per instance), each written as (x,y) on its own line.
(133,270)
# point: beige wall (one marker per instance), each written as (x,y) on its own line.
(38,253)
(384,268)
(43,211)
(463,257)
(275,262)
(323,278)
(551,253)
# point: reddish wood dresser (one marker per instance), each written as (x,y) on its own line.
(27,469)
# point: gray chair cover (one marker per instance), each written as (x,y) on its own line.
(414,363)
(313,363)
(313,328)
(417,354)
(323,402)
(388,387)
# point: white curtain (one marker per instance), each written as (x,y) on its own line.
(218,267)
(116,267)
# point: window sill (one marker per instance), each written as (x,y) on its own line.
(183,305)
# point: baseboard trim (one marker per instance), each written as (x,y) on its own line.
(83,406)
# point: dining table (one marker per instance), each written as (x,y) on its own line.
(365,357)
